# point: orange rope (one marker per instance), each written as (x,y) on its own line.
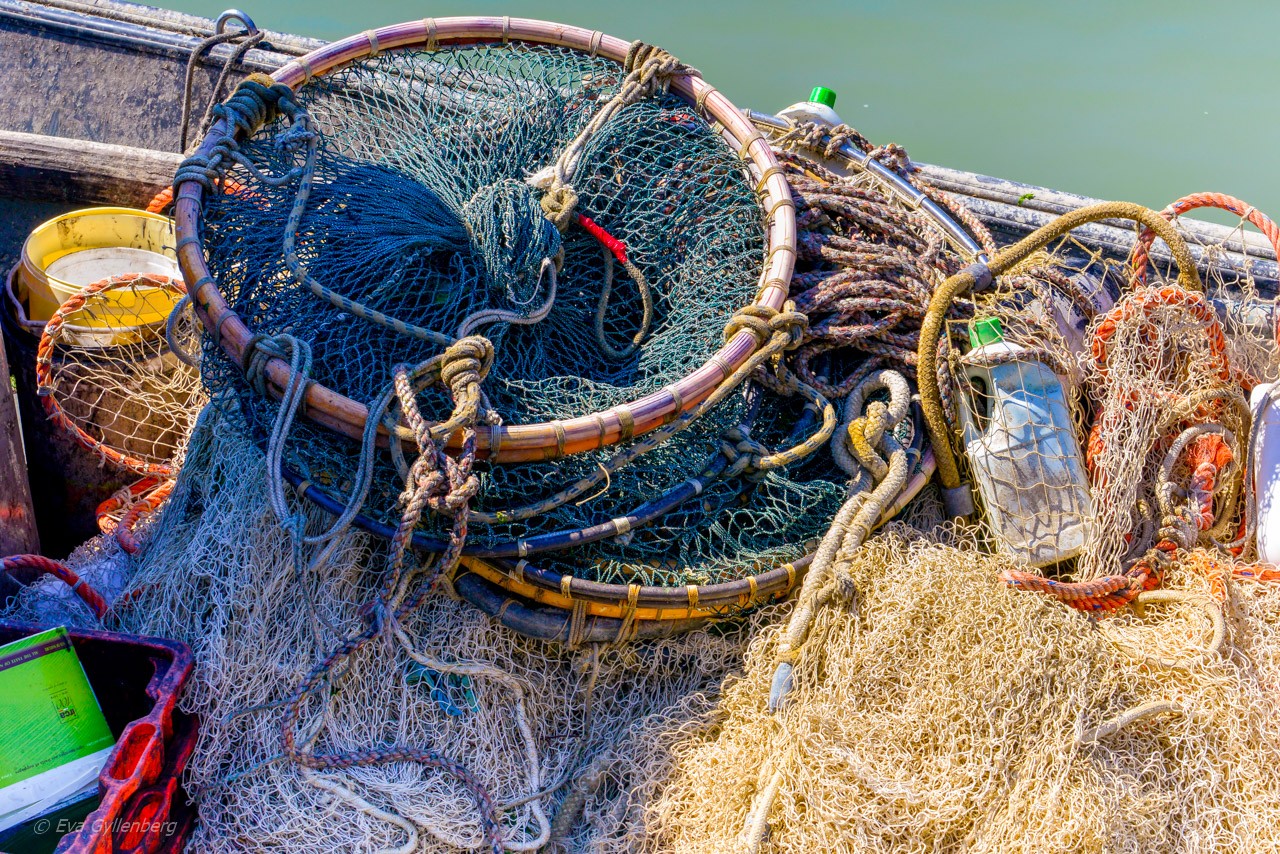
(63,573)
(1142,249)
(122,500)
(161,200)
(1144,301)
(124,531)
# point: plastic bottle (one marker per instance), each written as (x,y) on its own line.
(1021,443)
(819,108)
(1265,402)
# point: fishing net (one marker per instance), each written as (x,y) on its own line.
(116,374)
(868,259)
(420,212)
(491,718)
(112,381)
(1148,459)
(557,190)
(521,715)
(720,499)
(575,208)
(1000,723)
(936,710)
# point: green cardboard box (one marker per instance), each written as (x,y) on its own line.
(54,739)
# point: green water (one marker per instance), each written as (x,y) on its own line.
(1140,100)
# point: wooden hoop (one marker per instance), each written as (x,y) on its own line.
(523,442)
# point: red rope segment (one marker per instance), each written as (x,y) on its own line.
(149,504)
(607,240)
(63,573)
(1142,249)
(44,369)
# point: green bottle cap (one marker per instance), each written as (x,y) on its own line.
(985,331)
(824,96)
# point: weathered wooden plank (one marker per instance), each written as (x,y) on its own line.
(73,170)
(17,515)
(81,76)
(1020,198)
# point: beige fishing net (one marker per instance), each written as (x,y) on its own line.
(522,716)
(934,709)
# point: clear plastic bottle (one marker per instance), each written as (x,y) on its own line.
(819,108)
(1265,400)
(1021,443)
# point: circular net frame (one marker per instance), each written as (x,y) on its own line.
(733,527)
(115,385)
(456,131)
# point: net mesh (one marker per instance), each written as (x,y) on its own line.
(936,710)
(421,210)
(735,526)
(216,574)
(955,713)
(109,377)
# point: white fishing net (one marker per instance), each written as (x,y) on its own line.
(217,574)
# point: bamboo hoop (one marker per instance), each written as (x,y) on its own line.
(521,442)
(648,602)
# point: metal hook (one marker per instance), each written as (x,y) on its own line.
(234,15)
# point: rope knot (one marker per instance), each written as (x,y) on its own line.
(893,156)
(792,321)
(466,362)
(744,453)
(754,319)
(558,204)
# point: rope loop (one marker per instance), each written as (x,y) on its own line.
(466,362)
(754,319)
(763,322)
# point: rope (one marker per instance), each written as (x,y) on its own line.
(1137,713)
(145,506)
(121,500)
(874,266)
(46,566)
(967,280)
(866,438)
(250,40)
(445,486)
(650,70)
(1141,256)
(616,249)
(874,483)
(827,140)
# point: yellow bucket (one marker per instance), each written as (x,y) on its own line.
(71,251)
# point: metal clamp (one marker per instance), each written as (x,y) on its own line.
(234,15)
(958,502)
